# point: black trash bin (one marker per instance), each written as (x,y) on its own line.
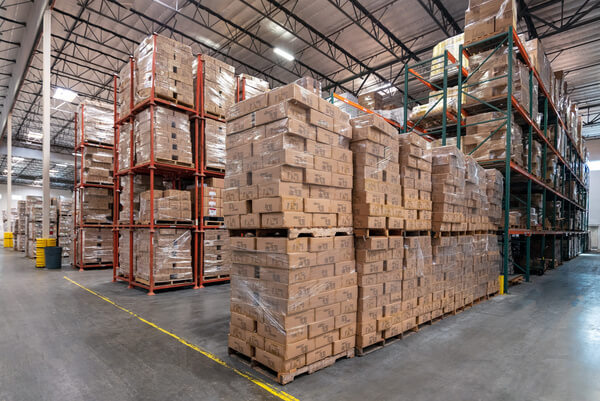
(53,255)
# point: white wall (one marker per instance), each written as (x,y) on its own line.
(19,192)
(594,149)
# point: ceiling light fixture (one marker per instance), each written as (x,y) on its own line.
(64,94)
(286,55)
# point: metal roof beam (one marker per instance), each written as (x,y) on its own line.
(440,15)
(524,14)
(29,43)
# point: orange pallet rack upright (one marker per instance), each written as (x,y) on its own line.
(175,173)
(79,185)
(202,173)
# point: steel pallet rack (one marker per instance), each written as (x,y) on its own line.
(202,172)
(570,168)
(438,75)
(176,173)
(240,88)
(78,188)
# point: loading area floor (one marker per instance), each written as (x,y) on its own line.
(61,342)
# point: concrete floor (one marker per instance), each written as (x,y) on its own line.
(59,342)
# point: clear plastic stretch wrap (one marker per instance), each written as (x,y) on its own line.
(219,85)
(169,205)
(97,120)
(486,137)
(65,225)
(97,165)
(289,169)
(452,45)
(172,75)
(495,191)
(429,114)
(540,62)
(448,189)
(172,139)
(141,183)
(172,254)
(476,200)
(489,79)
(124,147)
(415,179)
(214,140)
(124,90)
(123,269)
(377,192)
(484,18)
(96,246)
(96,205)
(253,86)
(217,255)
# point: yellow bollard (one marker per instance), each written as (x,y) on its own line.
(40,244)
(501,282)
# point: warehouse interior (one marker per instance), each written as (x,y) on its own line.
(300,200)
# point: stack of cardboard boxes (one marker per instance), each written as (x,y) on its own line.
(213,200)
(96,246)
(96,121)
(172,255)
(165,65)
(65,226)
(486,138)
(217,255)
(251,86)
(378,218)
(495,194)
(219,85)
(475,195)
(371,100)
(415,175)
(170,205)
(293,298)
(171,136)
(124,148)
(214,144)
(448,184)
(97,166)
(95,205)
(21,226)
(484,18)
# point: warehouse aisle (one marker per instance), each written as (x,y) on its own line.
(57,341)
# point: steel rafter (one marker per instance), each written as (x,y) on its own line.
(524,13)
(440,15)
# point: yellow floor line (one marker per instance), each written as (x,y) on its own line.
(274,391)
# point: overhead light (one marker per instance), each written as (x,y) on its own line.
(62,165)
(64,94)
(382,87)
(594,165)
(34,135)
(17,159)
(286,55)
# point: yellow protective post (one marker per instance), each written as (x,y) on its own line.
(501,281)
(8,240)
(40,244)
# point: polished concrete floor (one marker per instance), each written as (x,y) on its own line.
(60,342)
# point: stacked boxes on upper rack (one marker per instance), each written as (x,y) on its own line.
(475,196)
(415,176)
(124,148)
(97,165)
(213,201)
(170,133)
(219,86)
(448,184)
(214,140)
(293,298)
(97,121)
(95,205)
(485,138)
(172,255)
(217,255)
(164,66)
(484,18)
(141,183)
(170,205)
(495,193)
(249,86)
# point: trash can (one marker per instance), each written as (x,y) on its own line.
(53,256)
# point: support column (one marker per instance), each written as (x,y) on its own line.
(46,54)
(9,169)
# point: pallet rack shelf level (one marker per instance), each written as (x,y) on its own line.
(514,173)
(79,186)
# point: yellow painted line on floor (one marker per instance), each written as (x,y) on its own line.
(266,386)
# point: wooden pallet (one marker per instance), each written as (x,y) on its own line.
(95,142)
(215,169)
(179,222)
(215,277)
(214,221)
(98,182)
(165,282)
(293,233)
(173,162)
(377,232)
(215,115)
(517,279)
(288,377)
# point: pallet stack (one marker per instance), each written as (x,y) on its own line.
(485,18)
(170,206)
(249,86)
(172,259)
(34,213)
(448,184)
(378,218)
(20,239)
(217,254)
(65,226)
(288,208)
